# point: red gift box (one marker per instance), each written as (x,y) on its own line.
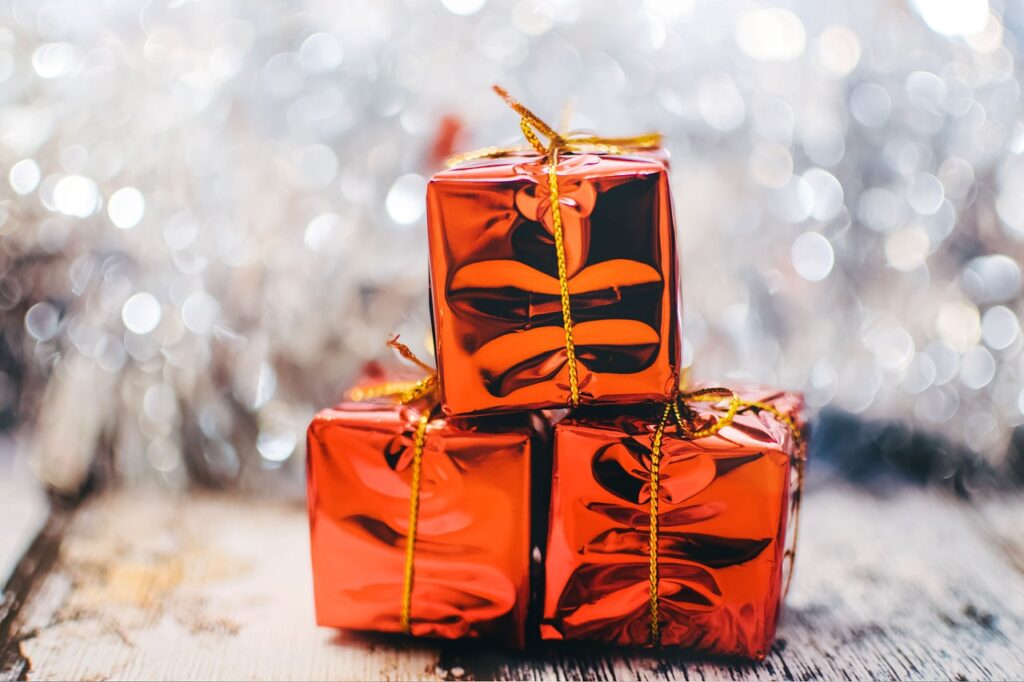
(505,269)
(722,507)
(472,541)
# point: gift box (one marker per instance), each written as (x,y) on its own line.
(514,247)
(467,570)
(700,562)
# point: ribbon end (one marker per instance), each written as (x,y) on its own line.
(406,352)
(509,99)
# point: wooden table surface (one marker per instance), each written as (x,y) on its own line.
(142,585)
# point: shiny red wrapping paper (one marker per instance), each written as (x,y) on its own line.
(473,543)
(498,324)
(724,505)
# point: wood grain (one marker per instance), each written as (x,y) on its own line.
(26,550)
(912,585)
(23,507)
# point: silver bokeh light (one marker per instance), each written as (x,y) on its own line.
(213,212)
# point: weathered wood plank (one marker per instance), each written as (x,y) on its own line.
(1002,521)
(914,585)
(908,587)
(27,546)
(23,508)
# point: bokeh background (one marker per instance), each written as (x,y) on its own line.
(212,213)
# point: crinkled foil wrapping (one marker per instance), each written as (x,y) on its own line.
(473,542)
(725,512)
(496,295)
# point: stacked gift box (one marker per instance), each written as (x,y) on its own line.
(552,480)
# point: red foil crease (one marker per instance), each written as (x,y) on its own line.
(495,289)
(472,552)
(724,506)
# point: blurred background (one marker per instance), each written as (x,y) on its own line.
(212,213)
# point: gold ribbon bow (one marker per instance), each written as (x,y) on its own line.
(672,409)
(406,392)
(574,143)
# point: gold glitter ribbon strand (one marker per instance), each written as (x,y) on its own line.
(563,280)
(652,540)
(534,129)
(672,408)
(406,392)
(419,441)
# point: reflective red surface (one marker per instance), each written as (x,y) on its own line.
(495,287)
(472,549)
(724,506)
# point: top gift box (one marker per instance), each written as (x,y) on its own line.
(553,274)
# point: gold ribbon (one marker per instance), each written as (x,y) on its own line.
(414,514)
(406,392)
(574,143)
(708,395)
